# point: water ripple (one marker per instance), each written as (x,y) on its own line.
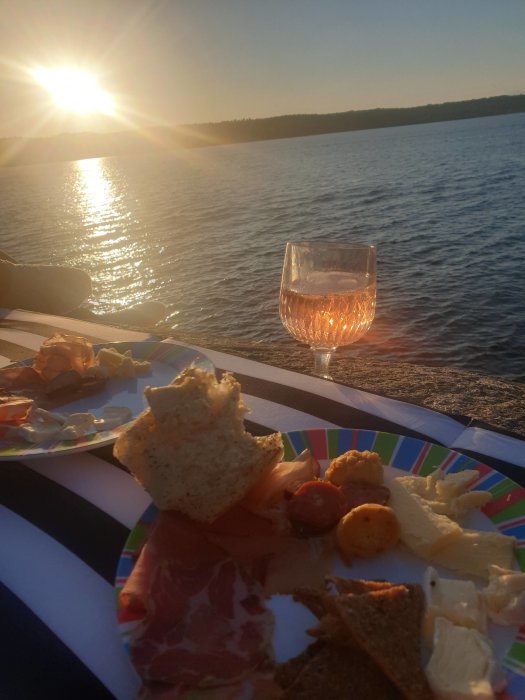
(204,231)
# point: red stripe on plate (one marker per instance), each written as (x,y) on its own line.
(452,456)
(483,470)
(421,457)
(317,439)
(508,499)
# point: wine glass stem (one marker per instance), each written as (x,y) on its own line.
(322,358)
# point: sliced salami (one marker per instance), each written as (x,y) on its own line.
(357,493)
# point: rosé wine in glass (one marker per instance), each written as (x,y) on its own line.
(328,296)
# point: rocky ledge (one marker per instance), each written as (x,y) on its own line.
(498,403)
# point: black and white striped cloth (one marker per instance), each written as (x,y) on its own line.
(64,520)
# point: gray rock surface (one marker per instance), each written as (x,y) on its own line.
(495,401)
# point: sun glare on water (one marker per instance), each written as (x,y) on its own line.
(75,90)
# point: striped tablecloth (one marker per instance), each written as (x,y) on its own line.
(64,520)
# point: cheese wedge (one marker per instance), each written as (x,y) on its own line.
(473,551)
(455,484)
(425,532)
(121,364)
(447,493)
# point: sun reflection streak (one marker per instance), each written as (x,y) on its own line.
(97,191)
(112,256)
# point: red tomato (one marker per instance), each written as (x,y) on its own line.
(316,507)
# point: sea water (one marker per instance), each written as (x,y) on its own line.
(204,231)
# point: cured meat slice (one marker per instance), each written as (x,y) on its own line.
(357,493)
(14,409)
(257,685)
(284,478)
(19,377)
(205,623)
(279,562)
(61,353)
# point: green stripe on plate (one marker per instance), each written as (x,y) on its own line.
(137,537)
(519,553)
(510,513)
(332,435)
(502,487)
(384,445)
(517,652)
(289,451)
(434,457)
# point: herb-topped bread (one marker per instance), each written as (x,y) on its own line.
(190,449)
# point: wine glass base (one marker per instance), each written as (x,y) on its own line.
(322,357)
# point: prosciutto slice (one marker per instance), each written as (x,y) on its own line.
(280,562)
(285,477)
(205,623)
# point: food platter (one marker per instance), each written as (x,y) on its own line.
(400,454)
(166,359)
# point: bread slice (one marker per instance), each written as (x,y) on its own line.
(190,449)
(336,672)
(386,625)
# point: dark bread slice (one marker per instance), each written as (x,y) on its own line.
(287,672)
(330,627)
(314,599)
(336,672)
(386,625)
(357,586)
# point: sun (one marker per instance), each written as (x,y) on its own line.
(75,90)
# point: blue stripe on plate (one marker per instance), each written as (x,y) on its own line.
(344,441)
(365,440)
(297,441)
(461,462)
(408,450)
(491,480)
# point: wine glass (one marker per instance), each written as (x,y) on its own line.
(328,296)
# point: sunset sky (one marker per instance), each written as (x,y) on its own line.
(189,61)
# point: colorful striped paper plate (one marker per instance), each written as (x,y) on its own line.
(167,360)
(505,513)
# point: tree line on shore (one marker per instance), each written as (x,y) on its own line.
(76,146)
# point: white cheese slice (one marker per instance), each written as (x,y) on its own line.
(458,601)
(505,596)
(462,665)
(78,425)
(37,432)
(112,417)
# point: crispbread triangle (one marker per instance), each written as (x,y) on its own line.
(357,586)
(327,672)
(330,627)
(386,624)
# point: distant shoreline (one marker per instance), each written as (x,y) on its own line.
(77,146)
